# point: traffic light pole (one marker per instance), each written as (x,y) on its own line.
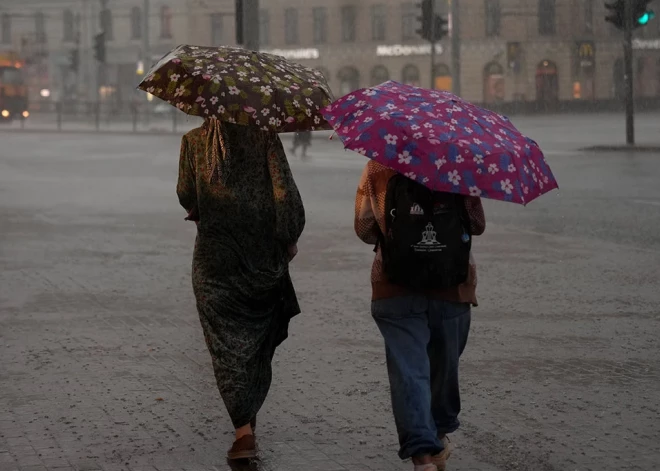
(628,74)
(251,24)
(455,48)
(433,36)
(146,44)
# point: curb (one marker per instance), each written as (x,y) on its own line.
(90,131)
(288,135)
(621,148)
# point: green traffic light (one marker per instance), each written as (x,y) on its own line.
(646,17)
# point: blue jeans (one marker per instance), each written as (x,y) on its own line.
(423,341)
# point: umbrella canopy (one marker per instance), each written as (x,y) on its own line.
(442,142)
(241,86)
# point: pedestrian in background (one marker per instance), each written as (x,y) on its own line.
(236,184)
(423,286)
(302,139)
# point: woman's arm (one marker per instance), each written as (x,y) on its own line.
(365,223)
(476,214)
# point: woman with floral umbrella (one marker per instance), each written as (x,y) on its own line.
(236,184)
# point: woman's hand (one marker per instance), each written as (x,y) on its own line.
(293,251)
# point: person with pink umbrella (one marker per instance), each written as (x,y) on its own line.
(433,157)
(421,301)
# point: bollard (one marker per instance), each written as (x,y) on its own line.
(58,111)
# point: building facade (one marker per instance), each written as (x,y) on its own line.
(57,39)
(511,50)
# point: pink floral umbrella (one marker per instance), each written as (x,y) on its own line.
(442,142)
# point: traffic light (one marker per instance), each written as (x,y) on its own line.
(641,13)
(74,60)
(441,28)
(99,47)
(433,27)
(240,37)
(426,19)
(645,18)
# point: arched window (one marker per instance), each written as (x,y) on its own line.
(547,17)
(546,67)
(493,83)
(165,22)
(410,75)
(442,77)
(349,80)
(136,23)
(68,25)
(493,68)
(547,83)
(493,17)
(379,74)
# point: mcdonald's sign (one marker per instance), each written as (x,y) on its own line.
(586,54)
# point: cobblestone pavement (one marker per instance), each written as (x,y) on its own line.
(103,367)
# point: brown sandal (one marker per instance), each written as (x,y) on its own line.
(245,448)
(440,460)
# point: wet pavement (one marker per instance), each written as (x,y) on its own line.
(103,366)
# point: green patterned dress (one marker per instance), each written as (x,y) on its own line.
(247,216)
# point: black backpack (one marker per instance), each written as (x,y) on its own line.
(427,242)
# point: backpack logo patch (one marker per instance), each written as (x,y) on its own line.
(429,243)
(416,210)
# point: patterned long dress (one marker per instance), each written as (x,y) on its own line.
(247,219)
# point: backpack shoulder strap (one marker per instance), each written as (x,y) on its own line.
(390,203)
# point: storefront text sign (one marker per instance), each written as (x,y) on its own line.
(646,44)
(398,50)
(309,53)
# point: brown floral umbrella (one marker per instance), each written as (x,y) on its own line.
(240,86)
